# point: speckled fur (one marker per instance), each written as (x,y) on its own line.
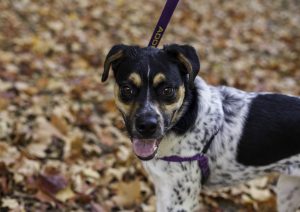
(177,185)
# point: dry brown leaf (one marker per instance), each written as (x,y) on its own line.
(51,183)
(8,153)
(123,153)
(10,203)
(104,136)
(91,173)
(127,194)
(109,105)
(260,194)
(82,186)
(43,197)
(76,147)
(97,208)
(65,194)
(45,131)
(60,124)
(3,104)
(42,83)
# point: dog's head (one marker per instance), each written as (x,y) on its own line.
(152,87)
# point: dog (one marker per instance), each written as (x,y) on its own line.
(190,135)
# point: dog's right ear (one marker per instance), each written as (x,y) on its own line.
(113,56)
(187,56)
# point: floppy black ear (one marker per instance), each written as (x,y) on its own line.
(187,56)
(114,55)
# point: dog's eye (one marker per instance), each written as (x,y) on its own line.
(168,92)
(126,91)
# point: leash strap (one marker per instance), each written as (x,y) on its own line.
(163,22)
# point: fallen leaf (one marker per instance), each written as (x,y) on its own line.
(260,194)
(10,203)
(60,124)
(91,173)
(51,184)
(127,194)
(65,194)
(3,104)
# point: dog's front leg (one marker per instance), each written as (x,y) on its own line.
(177,185)
(288,193)
(171,197)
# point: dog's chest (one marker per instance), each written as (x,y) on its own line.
(213,116)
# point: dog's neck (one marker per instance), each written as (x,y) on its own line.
(206,121)
(189,113)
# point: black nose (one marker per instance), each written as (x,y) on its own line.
(146,126)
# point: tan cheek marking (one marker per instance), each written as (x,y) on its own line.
(176,105)
(124,108)
(174,109)
(135,79)
(158,79)
(133,110)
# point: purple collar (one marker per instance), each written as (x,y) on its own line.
(200,157)
(202,162)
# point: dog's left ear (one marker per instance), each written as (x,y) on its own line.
(187,56)
(115,54)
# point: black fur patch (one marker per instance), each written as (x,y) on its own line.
(271,131)
(189,117)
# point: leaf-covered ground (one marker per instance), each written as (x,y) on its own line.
(63,146)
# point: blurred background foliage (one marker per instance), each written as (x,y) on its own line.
(63,146)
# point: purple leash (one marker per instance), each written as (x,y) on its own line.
(163,22)
(159,30)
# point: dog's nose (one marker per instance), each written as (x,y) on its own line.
(146,126)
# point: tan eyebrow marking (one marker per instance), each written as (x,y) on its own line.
(136,79)
(158,79)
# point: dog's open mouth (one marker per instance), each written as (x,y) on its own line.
(145,149)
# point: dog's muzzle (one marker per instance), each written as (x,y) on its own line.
(146,141)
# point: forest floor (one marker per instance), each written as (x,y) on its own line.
(63,146)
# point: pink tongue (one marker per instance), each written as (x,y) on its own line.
(144,147)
